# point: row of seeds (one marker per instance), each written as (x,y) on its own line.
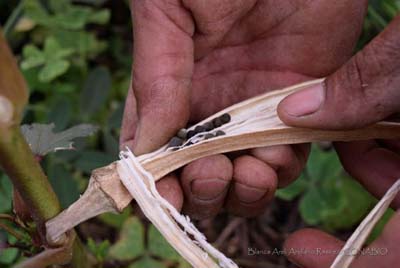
(184,135)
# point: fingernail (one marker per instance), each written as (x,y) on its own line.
(247,194)
(208,189)
(304,102)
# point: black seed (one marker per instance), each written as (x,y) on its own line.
(199,129)
(208,126)
(217,122)
(225,118)
(175,142)
(190,134)
(219,133)
(209,136)
(182,133)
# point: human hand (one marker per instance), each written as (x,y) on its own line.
(194,58)
(363,91)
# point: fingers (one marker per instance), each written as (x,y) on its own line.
(254,185)
(287,161)
(363,91)
(162,70)
(310,248)
(386,246)
(171,191)
(205,183)
(375,167)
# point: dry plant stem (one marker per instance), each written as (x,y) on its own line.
(254,123)
(164,216)
(358,238)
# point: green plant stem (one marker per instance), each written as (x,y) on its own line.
(12,20)
(27,175)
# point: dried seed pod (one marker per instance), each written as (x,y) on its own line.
(182,133)
(200,129)
(208,126)
(175,142)
(217,122)
(225,118)
(190,134)
(219,133)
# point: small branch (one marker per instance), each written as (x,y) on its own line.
(7,217)
(11,231)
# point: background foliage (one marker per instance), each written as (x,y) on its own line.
(73,56)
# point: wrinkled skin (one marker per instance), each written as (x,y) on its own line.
(363,91)
(193,58)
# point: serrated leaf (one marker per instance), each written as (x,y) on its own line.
(131,241)
(53,70)
(159,247)
(97,84)
(43,140)
(147,262)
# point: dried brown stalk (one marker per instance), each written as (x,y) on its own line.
(254,124)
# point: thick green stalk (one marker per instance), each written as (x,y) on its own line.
(27,176)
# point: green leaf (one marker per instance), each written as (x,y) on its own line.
(130,244)
(323,164)
(34,10)
(100,17)
(116,220)
(96,90)
(311,207)
(73,19)
(63,184)
(43,140)
(60,113)
(89,160)
(159,247)
(110,143)
(293,190)
(147,262)
(5,194)
(33,57)
(53,70)
(356,204)
(99,250)
(7,256)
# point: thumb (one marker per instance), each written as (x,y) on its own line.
(162,71)
(363,91)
